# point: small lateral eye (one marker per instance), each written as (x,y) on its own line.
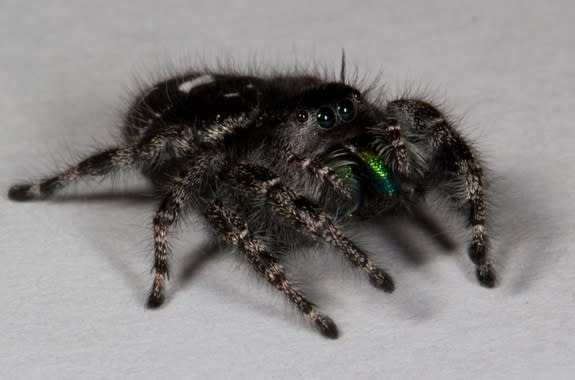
(301,116)
(346,110)
(326,117)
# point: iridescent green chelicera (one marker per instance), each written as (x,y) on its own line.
(346,172)
(379,172)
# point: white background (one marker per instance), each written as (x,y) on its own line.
(75,271)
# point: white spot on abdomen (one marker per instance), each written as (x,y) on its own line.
(199,81)
(232,95)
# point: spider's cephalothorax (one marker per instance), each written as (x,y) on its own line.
(280,162)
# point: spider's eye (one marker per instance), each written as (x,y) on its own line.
(325,117)
(301,116)
(346,110)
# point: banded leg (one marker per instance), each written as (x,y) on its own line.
(146,151)
(304,216)
(391,146)
(325,174)
(233,230)
(458,156)
(456,164)
(179,197)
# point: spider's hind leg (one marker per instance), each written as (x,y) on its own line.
(454,167)
(147,151)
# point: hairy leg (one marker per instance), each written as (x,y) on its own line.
(304,216)
(324,174)
(390,144)
(231,229)
(180,196)
(456,166)
(147,151)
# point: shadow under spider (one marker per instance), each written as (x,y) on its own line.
(431,225)
(133,196)
(196,260)
(526,230)
(405,231)
(409,232)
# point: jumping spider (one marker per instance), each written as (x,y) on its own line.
(280,162)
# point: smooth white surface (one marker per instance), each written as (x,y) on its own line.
(75,272)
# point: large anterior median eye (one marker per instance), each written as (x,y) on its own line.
(326,117)
(346,110)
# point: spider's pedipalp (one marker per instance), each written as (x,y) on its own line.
(323,173)
(390,144)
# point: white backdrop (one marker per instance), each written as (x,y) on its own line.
(75,271)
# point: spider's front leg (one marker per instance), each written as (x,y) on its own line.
(298,212)
(453,162)
(146,151)
(231,229)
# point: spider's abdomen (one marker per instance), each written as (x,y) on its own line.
(194,100)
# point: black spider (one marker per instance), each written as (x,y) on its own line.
(283,161)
